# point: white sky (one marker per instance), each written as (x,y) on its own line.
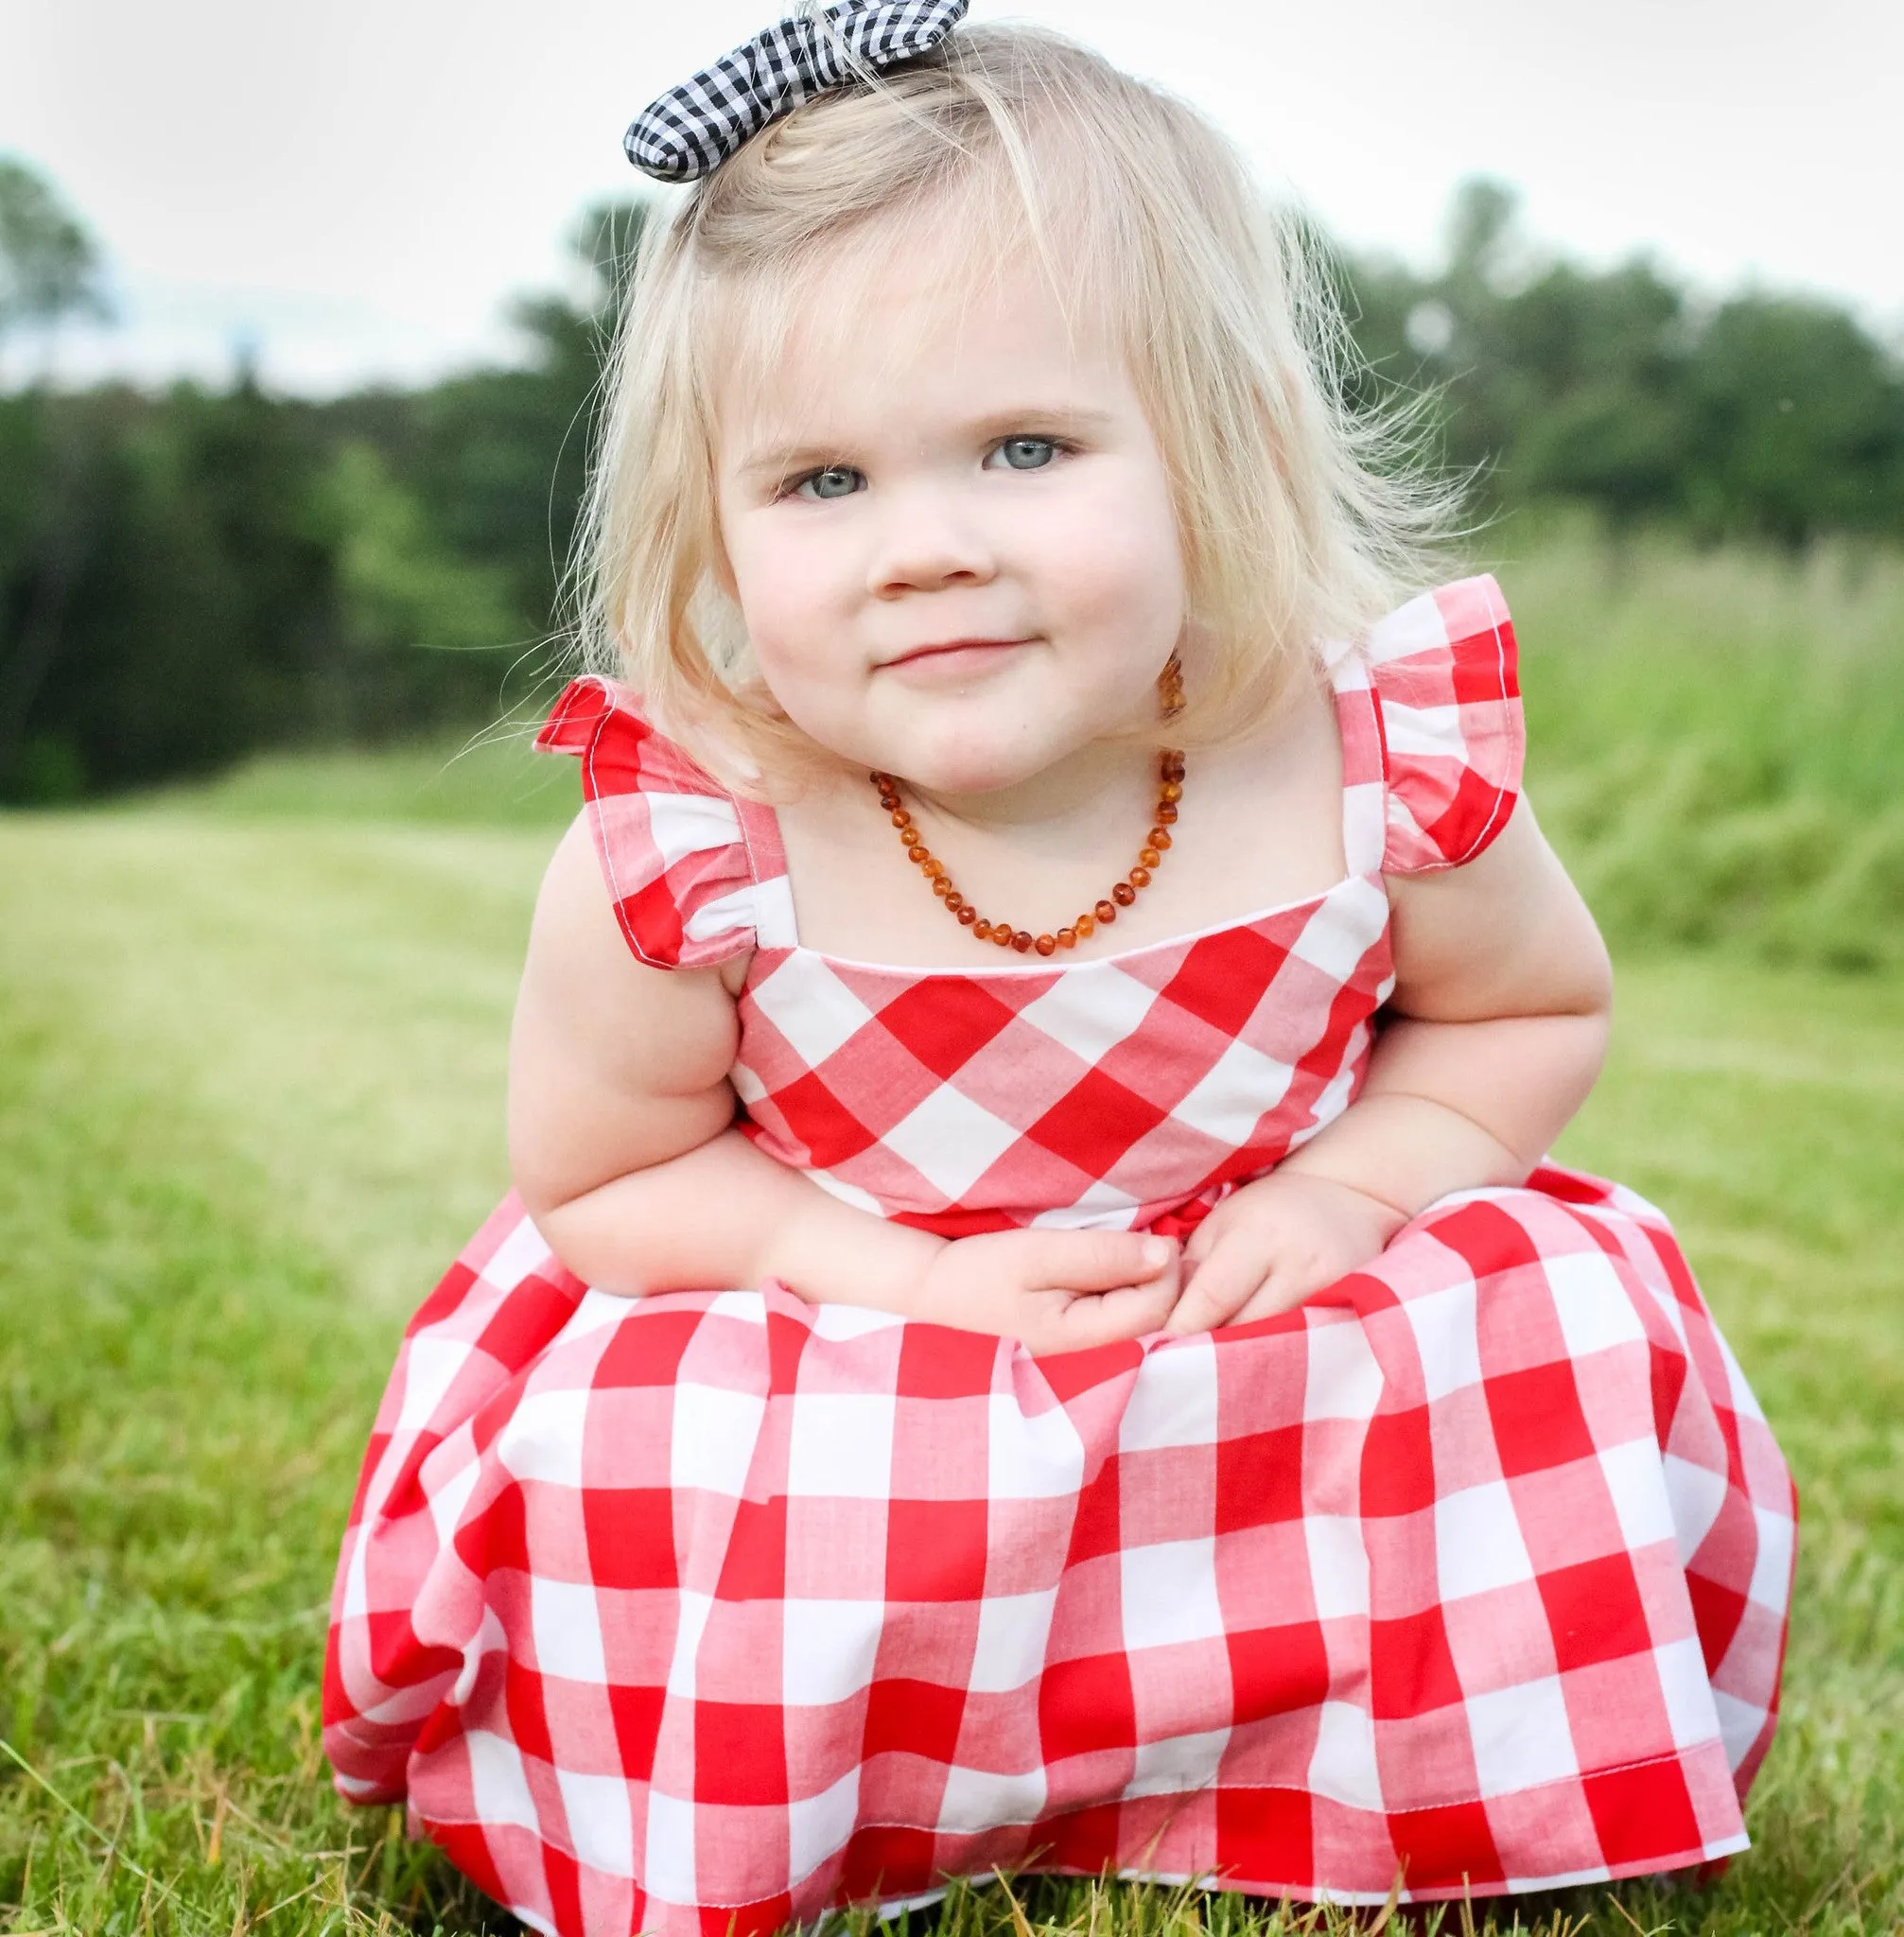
(359,184)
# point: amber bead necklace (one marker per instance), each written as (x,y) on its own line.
(1003,934)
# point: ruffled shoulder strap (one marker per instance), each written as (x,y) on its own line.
(1448,704)
(696,875)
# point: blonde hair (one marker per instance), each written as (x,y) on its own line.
(1300,519)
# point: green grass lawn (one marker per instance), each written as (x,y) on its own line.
(251,1069)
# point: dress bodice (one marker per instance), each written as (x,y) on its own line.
(1131,1089)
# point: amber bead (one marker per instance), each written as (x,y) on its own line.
(1000,934)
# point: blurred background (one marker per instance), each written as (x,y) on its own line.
(301,319)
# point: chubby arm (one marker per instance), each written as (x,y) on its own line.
(624,1151)
(621,1123)
(1494,1035)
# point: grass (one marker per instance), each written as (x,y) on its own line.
(1715,739)
(490,779)
(249,1099)
(250,1060)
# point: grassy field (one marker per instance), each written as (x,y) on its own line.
(251,1059)
(1714,741)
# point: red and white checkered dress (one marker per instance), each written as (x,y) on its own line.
(717,1609)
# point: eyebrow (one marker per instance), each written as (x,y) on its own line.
(783,459)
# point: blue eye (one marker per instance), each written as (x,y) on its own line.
(1027,453)
(836,481)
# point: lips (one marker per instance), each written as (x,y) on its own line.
(941,647)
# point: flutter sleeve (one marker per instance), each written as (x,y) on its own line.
(694,874)
(1448,702)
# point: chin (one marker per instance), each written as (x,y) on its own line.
(971,770)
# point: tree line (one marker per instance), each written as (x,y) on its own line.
(191,574)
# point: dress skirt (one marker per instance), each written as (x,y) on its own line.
(711,1611)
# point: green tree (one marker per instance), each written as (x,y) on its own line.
(49,266)
(201,608)
(1759,418)
(415,630)
(499,458)
(49,271)
(1798,424)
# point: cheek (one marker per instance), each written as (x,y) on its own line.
(1116,555)
(788,596)
(791,606)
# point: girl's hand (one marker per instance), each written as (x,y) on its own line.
(1265,1247)
(1052,1290)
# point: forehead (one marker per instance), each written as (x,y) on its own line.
(905,321)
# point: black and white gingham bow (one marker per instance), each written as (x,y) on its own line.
(692,129)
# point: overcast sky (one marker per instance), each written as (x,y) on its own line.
(358,185)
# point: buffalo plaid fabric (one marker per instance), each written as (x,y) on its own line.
(692,129)
(717,1609)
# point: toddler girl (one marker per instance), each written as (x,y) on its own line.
(1032,1329)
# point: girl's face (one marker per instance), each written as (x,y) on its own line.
(949,530)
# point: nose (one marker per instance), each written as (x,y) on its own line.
(926,542)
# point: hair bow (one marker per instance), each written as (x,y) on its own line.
(692,129)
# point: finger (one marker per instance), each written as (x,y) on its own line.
(1203,1240)
(1099,1260)
(1109,1318)
(1218,1288)
(1282,1291)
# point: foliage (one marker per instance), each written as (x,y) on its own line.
(185,578)
(1759,417)
(49,266)
(1714,739)
(251,1081)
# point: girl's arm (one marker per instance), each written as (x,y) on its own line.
(1494,1035)
(622,1145)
